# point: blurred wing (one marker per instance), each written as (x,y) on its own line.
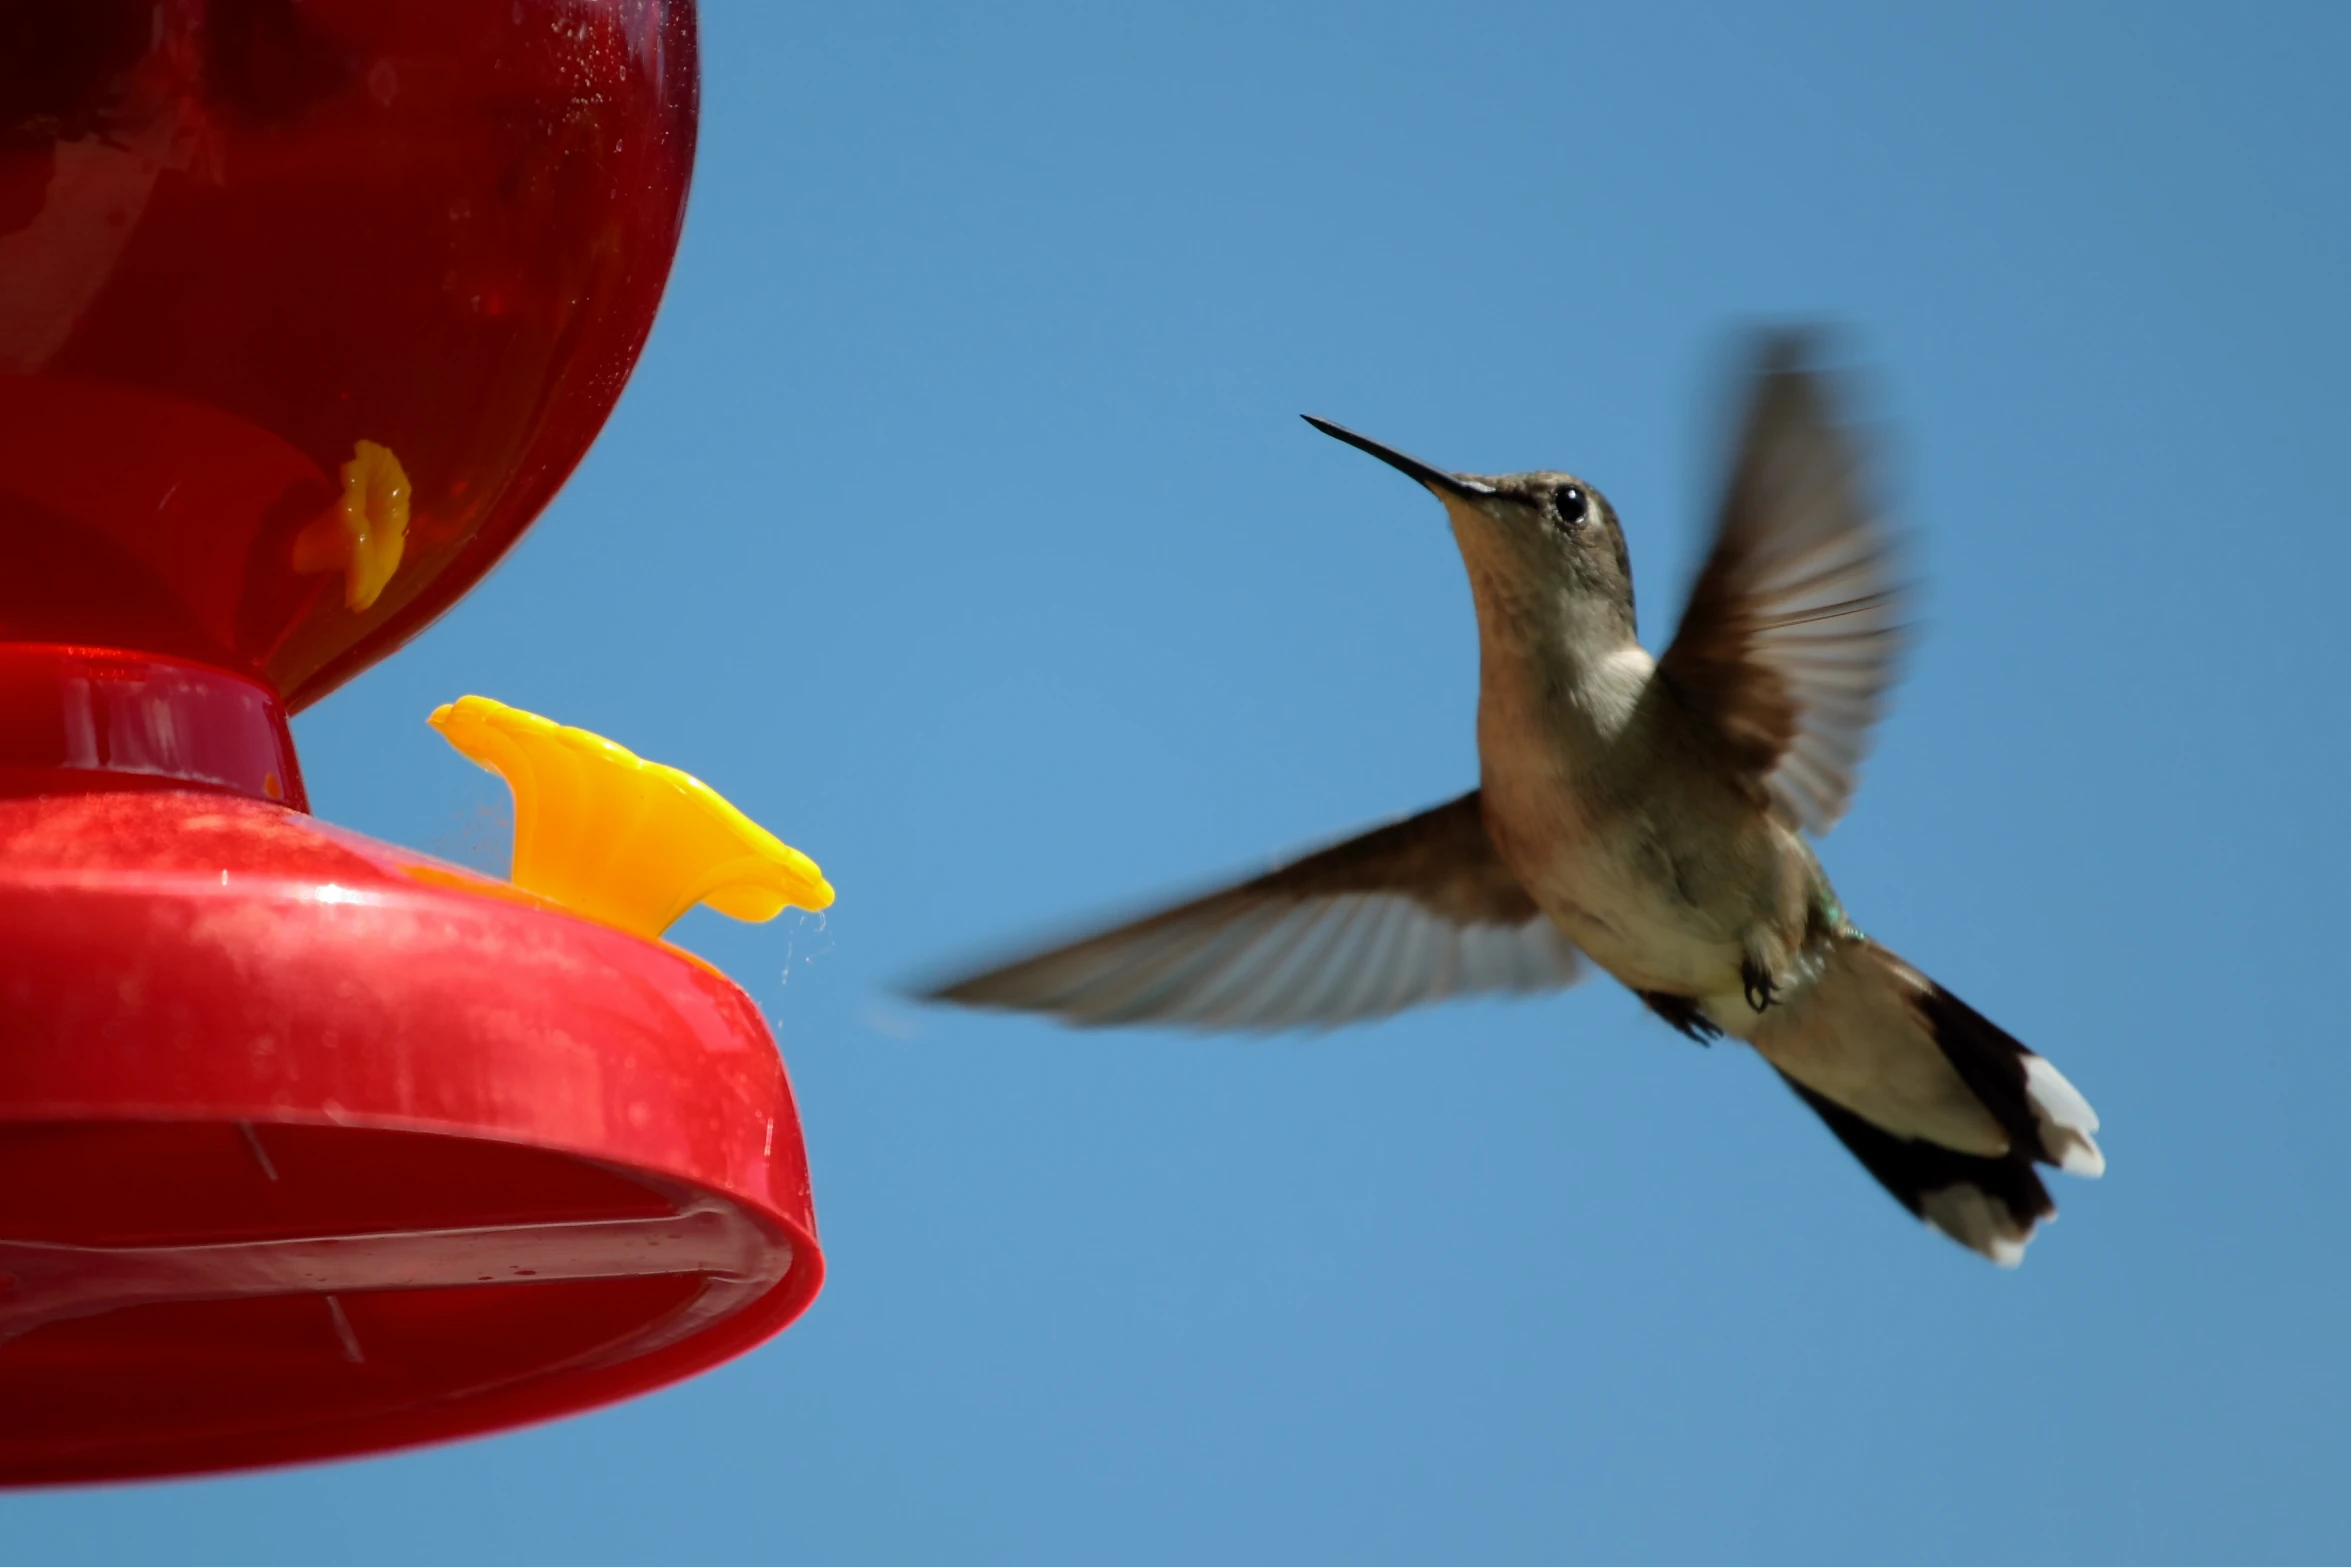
(1413,912)
(1794,631)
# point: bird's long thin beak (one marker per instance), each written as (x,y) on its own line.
(1435,478)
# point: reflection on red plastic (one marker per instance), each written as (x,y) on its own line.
(329,1158)
(76,719)
(237,240)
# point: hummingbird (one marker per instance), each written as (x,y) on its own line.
(1650,816)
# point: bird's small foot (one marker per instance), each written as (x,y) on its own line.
(1683,1012)
(1757,984)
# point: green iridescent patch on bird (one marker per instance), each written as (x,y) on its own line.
(1829,915)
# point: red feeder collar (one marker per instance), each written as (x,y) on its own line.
(78,719)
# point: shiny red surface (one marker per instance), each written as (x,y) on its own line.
(74,720)
(413,1048)
(239,236)
(310,1146)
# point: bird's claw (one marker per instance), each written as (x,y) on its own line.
(1684,1013)
(1758,986)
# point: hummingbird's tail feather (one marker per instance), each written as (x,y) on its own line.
(1989,1205)
(1947,1109)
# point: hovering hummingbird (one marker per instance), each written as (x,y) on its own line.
(1649,815)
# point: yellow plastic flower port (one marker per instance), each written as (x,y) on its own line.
(362,534)
(609,835)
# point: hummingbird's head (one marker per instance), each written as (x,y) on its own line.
(1543,548)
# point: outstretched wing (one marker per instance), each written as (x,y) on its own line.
(1409,913)
(1794,631)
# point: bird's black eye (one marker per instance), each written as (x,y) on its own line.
(1571,505)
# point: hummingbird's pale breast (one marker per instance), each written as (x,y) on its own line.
(1597,792)
(1665,876)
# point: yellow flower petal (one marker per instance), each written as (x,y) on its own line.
(631,843)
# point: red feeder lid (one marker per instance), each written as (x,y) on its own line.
(324,1147)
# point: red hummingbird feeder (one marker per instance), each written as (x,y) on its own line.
(311,1145)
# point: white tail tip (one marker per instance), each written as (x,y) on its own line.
(2065,1119)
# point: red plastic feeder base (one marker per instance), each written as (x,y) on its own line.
(310,1146)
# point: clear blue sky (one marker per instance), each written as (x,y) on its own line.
(960,525)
